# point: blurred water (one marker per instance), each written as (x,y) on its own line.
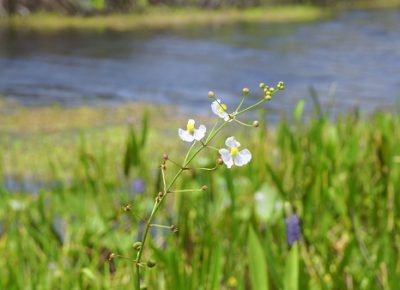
(357,52)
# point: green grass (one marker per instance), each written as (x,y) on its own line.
(164,17)
(341,177)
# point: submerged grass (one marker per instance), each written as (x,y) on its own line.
(340,177)
(157,18)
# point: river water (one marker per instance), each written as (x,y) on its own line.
(352,59)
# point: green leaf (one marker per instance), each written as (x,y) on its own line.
(216,268)
(132,152)
(89,274)
(298,111)
(316,104)
(291,275)
(145,128)
(257,264)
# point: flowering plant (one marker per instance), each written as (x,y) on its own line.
(199,140)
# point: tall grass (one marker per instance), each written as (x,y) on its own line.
(339,177)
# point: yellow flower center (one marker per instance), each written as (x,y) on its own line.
(234,151)
(222,108)
(190,128)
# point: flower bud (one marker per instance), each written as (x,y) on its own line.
(137,246)
(165,156)
(174,229)
(271,89)
(111,256)
(256,124)
(127,207)
(267,94)
(262,86)
(151,264)
(159,196)
(163,166)
(220,161)
(246,91)
(211,94)
(204,187)
(280,85)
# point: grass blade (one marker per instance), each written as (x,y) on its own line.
(257,264)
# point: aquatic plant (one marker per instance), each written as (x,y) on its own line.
(200,142)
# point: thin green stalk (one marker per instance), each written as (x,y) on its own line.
(163,179)
(188,153)
(240,104)
(243,123)
(157,205)
(252,106)
(212,130)
(187,190)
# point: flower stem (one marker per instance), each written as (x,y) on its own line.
(166,189)
(157,205)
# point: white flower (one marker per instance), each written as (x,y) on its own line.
(219,109)
(233,155)
(191,133)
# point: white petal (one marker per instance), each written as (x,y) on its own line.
(216,108)
(185,136)
(242,158)
(200,133)
(231,142)
(191,122)
(226,157)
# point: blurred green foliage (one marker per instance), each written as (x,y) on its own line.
(340,177)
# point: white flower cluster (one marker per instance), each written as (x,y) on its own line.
(230,156)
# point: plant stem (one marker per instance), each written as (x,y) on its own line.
(157,205)
(186,162)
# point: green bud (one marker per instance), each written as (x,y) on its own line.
(256,124)
(271,89)
(267,96)
(262,86)
(151,264)
(281,85)
(211,94)
(245,91)
(137,246)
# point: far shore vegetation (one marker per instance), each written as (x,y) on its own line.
(164,17)
(160,17)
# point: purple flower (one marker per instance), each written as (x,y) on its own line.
(139,186)
(293,230)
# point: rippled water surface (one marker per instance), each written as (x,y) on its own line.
(351,59)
